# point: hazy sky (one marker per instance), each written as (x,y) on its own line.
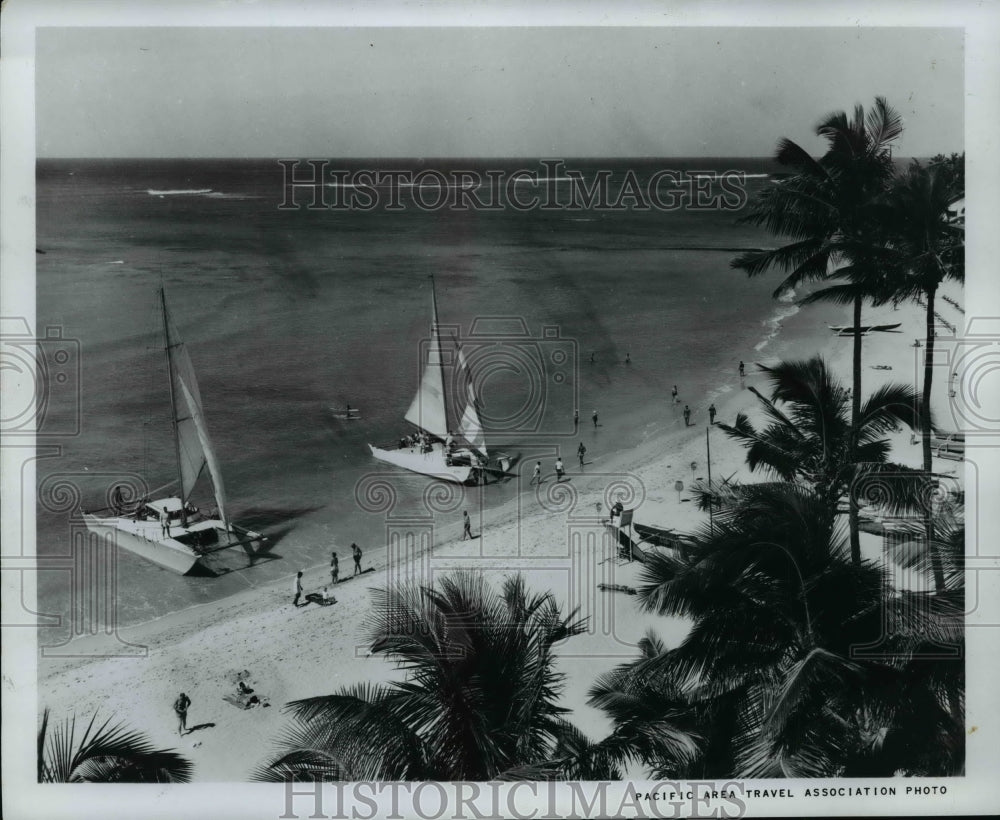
(571,92)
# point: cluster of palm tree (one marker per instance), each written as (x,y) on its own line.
(803,658)
(865,233)
(799,662)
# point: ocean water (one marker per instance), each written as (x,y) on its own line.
(287,312)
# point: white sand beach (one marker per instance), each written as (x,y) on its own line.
(293,653)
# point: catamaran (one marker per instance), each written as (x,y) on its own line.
(171,532)
(435,450)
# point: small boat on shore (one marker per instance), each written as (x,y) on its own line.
(864,330)
(434,450)
(171,532)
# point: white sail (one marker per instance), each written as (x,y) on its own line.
(427,410)
(194,447)
(208,454)
(470,427)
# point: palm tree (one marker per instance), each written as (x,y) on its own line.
(810,437)
(107,754)
(479,700)
(926,251)
(825,209)
(798,661)
(654,722)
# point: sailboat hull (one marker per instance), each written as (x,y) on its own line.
(432,463)
(146,539)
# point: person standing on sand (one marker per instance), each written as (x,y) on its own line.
(673,394)
(742,370)
(576,420)
(687,415)
(334,567)
(181,710)
(559,469)
(466,525)
(297,588)
(356,552)
(594,416)
(581,451)
(711,414)
(537,474)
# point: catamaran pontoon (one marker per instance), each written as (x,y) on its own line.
(170,531)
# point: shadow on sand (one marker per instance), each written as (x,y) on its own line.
(263,520)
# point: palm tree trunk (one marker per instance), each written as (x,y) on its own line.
(852,508)
(926,431)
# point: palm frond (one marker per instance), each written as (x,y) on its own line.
(105,754)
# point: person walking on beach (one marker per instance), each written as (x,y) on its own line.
(559,469)
(356,552)
(297,588)
(628,358)
(711,414)
(537,474)
(581,451)
(673,394)
(594,416)
(334,567)
(181,710)
(687,415)
(467,526)
(742,370)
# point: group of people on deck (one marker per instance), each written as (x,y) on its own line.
(424,443)
(419,439)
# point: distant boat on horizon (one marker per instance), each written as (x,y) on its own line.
(434,450)
(170,531)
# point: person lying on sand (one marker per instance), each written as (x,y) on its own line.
(245,697)
(324,597)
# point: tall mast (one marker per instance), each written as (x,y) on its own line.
(173,401)
(435,329)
